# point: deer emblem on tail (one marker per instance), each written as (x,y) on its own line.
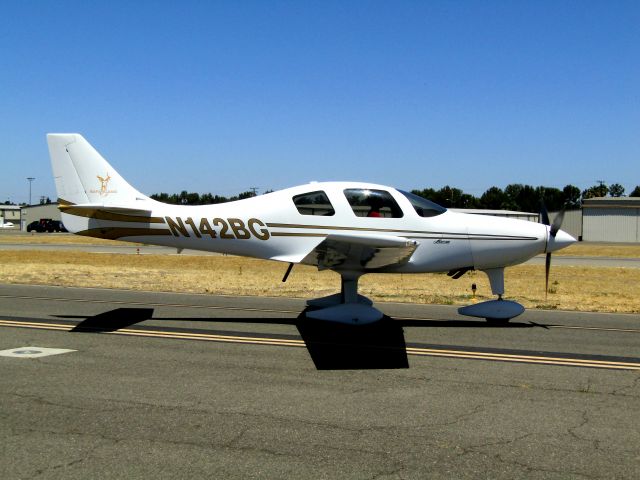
(104,183)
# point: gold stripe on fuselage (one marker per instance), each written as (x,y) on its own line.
(297,234)
(447,235)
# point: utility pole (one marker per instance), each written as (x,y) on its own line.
(31,179)
(254,190)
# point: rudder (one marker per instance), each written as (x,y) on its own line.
(82,175)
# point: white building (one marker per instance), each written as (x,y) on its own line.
(611,220)
(10,213)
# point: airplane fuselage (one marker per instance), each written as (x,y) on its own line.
(271,227)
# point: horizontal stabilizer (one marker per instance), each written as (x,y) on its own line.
(116,213)
(105,208)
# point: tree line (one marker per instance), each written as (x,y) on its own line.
(524,198)
(193,198)
(516,196)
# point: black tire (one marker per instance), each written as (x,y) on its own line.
(498,321)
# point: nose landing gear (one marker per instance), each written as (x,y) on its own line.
(498,311)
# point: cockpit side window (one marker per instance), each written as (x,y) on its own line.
(424,207)
(314,203)
(372,203)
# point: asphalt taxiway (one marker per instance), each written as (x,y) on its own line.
(175,385)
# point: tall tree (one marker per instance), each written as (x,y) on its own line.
(616,190)
(469,201)
(161,197)
(523,197)
(449,197)
(513,193)
(247,194)
(553,198)
(600,190)
(428,193)
(571,196)
(493,199)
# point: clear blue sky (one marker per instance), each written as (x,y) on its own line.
(223,96)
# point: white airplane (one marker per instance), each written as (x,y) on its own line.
(352,228)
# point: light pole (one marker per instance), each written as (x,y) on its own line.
(31,179)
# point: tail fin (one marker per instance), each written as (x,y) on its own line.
(83,176)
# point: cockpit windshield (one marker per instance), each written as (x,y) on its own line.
(423,207)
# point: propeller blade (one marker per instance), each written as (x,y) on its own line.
(547,268)
(553,231)
(557,223)
(544,214)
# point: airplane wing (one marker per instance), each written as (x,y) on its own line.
(360,252)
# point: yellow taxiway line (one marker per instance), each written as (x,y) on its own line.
(462,354)
(271,310)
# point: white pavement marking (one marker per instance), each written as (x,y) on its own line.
(33,352)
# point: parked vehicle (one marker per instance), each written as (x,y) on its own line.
(55,226)
(4,224)
(35,226)
(46,225)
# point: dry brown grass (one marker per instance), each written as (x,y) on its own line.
(572,288)
(617,250)
(36,238)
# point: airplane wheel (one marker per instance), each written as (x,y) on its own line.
(498,321)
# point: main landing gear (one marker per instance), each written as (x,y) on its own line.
(494,311)
(351,308)
(345,307)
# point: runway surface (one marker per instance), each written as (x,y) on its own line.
(208,386)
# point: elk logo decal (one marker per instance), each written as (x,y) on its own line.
(104,186)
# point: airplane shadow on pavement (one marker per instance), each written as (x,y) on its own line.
(113,320)
(337,346)
(331,346)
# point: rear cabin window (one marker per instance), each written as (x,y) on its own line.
(423,207)
(314,203)
(372,203)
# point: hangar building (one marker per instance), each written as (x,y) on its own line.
(611,219)
(36,212)
(605,219)
(572,223)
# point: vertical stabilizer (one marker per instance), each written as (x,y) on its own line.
(83,176)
